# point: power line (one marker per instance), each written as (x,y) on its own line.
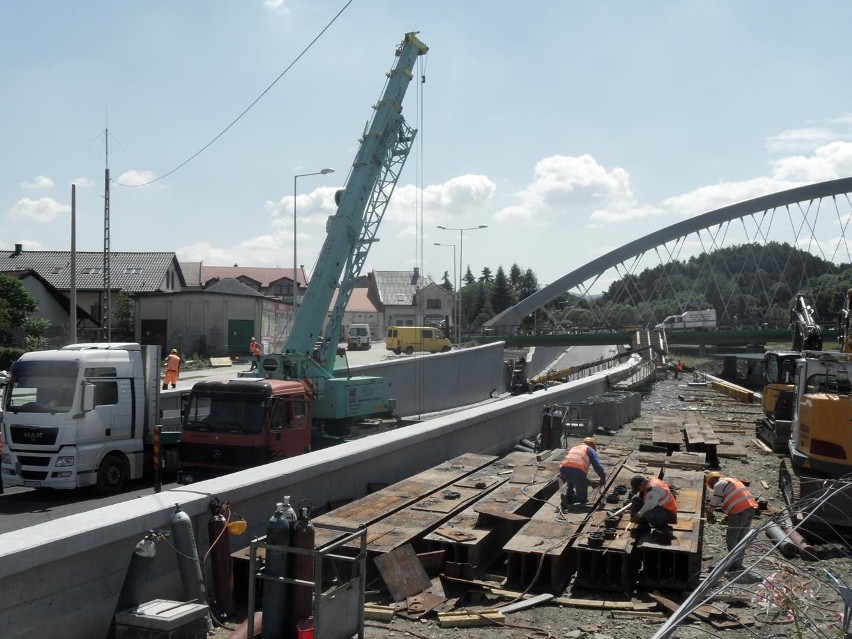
(247,109)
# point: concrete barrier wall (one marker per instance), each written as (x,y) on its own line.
(424,383)
(62,578)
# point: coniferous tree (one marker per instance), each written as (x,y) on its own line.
(502,297)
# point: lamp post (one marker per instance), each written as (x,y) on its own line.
(461,266)
(455,285)
(295,262)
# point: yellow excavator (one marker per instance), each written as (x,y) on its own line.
(820,441)
(779,369)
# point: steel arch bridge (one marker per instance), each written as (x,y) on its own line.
(813,218)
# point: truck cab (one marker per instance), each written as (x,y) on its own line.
(237,424)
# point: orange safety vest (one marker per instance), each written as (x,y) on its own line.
(668,501)
(577,457)
(737,497)
(173,364)
(255,348)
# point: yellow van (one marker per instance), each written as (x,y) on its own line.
(407,339)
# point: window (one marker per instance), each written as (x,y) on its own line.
(106,393)
(433,303)
(132,270)
(281,417)
(400,297)
(96,270)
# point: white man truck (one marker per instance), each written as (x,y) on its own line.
(689,321)
(84,415)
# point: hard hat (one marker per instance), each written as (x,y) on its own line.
(636,483)
(590,441)
(174,350)
(712,478)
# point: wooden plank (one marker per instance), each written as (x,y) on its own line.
(402,573)
(470,619)
(371,508)
(375,612)
(525,603)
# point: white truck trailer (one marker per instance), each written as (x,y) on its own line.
(84,415)
(689,321)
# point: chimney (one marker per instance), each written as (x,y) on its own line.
(19,248)
(415,277)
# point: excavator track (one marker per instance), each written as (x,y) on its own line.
(832,518)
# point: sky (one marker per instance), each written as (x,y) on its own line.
(567,128)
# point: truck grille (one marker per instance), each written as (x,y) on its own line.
(223,456)
(34,461)
(43,435)
(33,475)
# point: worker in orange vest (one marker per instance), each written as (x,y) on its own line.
(574,471)
(678,368)
(653,504)
(172,369)
(255,350)
(733,498)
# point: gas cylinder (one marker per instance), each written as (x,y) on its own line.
(220,557)
(187,556)
(275,593)
(303,568)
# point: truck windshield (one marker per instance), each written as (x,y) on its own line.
(224,414)
(41,387)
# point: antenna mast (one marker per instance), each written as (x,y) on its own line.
(107,278)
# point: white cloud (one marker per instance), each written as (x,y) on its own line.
(45,209)
(274,5)
(135,178)
(800,140)
(40,182)
(562,183)
(311,207)
(442,203)
(83,182)
(827,162)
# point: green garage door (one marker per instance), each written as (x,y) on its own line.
(240,333)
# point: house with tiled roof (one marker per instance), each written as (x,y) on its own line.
(134,272)
(405,298)
(273,282)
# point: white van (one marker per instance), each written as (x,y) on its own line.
(358,337)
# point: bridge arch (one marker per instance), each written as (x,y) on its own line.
(802,205)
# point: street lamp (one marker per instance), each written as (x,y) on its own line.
(461,266)
(295,262)
(456,294)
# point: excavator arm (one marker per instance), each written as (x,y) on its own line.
(807,334)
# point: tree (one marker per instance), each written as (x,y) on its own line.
(486,275)
(468,277)
(445,282)
(502,297)
(124,328)
(16,303)
(515,275)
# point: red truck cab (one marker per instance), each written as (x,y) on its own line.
(242,423)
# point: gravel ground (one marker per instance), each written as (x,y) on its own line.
(782,596)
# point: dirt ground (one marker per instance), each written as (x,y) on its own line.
(775,596)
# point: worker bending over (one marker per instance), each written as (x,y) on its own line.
(653,504)
(733,498)
(574,471)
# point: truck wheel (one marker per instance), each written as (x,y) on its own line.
(409,350)
(111,475)
(446,349)
(396,351)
